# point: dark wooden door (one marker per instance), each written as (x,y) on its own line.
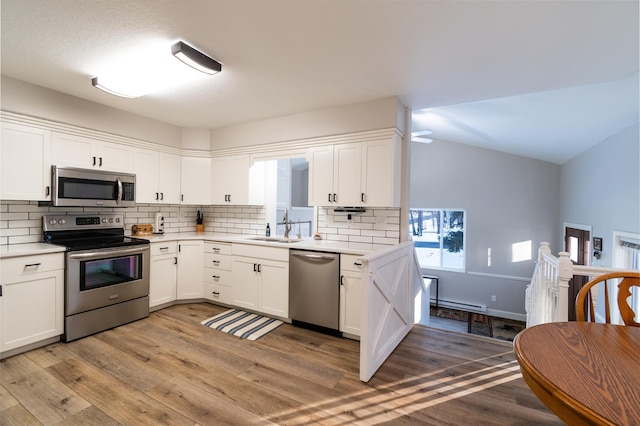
(576,242)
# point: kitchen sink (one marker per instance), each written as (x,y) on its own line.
(276,239)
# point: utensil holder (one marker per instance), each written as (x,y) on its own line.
(200,227)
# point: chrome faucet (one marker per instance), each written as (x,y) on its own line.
(287,224)
(298,234)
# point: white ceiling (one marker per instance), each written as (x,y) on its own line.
(544,79)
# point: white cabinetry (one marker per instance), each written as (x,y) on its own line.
(190,269)
(25,163)
(217,272)
(32,299)
(87,153)
(163,273)
(234,181)
(355,174)
(157,177)
(261,279)
(350,294)
(195,181)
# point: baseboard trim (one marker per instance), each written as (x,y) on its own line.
(508,315)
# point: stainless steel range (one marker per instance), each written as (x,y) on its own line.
(107,273)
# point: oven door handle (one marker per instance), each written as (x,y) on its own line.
(102,253)
(119,199)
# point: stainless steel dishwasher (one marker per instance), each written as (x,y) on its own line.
(314,290)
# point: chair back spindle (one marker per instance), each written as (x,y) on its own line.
(588,295)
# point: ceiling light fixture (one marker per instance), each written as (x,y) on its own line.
(417,136)
(94,83)
(195,59)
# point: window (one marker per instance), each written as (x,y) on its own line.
(438,236)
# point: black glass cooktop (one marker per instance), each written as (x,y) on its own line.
(80,240)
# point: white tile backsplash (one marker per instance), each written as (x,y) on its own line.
(375,227)
(21,221)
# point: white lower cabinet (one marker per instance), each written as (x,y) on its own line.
(190,270)
(32,299)
(217,272)
(163,273)
(350,293)
(261,279)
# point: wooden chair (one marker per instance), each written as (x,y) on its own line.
(628,280)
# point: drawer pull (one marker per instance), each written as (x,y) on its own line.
(357,263)
(216,249)
(216,262)
(215,293)
(32,265)
(164,248)
(216,277)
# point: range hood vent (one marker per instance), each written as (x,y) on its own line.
(350,210)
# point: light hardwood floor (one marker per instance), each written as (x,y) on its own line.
(169,369)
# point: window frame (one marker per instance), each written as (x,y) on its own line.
(463,268)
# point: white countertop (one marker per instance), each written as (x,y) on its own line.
(28,249)
(305,244)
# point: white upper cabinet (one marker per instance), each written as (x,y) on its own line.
(321,175)
(196,182)
(25,163)
(87,153)
(157,177)
(355,174)
(234,181)
(380,173)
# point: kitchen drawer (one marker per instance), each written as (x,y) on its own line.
(170,247)
(217,276)
(261,252)
(217,293)
(217,261)
(28,265)
(350,262)
(217,248)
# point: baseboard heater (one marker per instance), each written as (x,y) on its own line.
(460,306)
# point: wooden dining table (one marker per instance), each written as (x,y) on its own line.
(586,373)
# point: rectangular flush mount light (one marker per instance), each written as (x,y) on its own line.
(195,59)
(97,85)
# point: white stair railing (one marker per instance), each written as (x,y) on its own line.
(547,296)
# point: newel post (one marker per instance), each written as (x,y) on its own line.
(543,249)
(565,273)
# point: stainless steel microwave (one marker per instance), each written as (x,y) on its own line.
(74,187)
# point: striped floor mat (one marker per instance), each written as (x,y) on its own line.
(242,324)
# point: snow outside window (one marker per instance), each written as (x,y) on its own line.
(438,236)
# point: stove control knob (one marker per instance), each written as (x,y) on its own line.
(110,220)
(53,222)
(117,220)
(104,220)
(62,221)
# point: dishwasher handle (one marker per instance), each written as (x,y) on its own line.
(313,256)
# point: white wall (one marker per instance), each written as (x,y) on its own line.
(384,113)
(507,199)
(35,101)
(601,188)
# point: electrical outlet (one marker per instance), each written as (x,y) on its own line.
(493,298)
